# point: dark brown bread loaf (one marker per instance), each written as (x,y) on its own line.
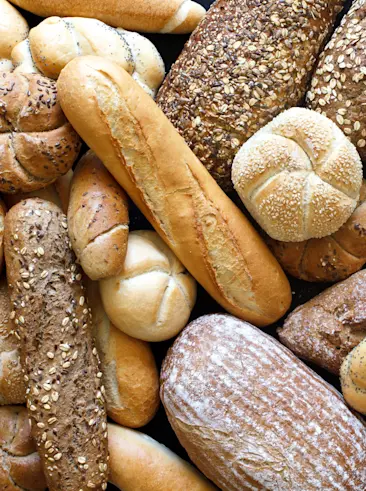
(252,416)
(247,61)
(65,396)
(338,87)
(325,329)
(37,144)
(20,465)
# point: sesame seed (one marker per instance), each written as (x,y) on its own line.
(40,251)
(50,355)
(12,314)
(361,143)
(99,375)
(32,408)
(45,399)
(65,347)
(81,460)
(47,407)
(52,420)
(66,364)
(58,456)
(48,444)
(82,301)
(44,436)
(95,352)
(21,319)
(55,396)
(47,386)
(44,274)
(65,321)
(52,371)
(40,425)
(26,285)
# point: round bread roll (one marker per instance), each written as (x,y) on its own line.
(353,378)
(20,467)
(13,29)
(37,144)
(153,297)
(299,176)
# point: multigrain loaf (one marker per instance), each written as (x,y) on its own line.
(97,217)
(65,395)
(37,144)
(338,86)
(56,41)
(13,29)
(142,150)
(165,16)
(12,386)
(299,176)
(329,259)
(251,415)
(20,465)
(139,463)
(325,329)
(130,375)
(247,61)
(353,378)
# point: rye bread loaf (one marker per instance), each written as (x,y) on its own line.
(252,416)
(65,395)
(325,329)
(247,61)
(338,86)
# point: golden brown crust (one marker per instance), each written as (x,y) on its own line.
(205,230)
(65,396)
(37,144)
(13,29)
(353,378)
(98,219)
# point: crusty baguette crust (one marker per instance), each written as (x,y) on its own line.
(176,16)
(98,219)
(65,394)
(141,148)
(252,416)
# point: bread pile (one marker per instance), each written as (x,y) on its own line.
(103,318)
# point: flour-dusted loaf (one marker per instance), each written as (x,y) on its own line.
(151,161)
(2,218)
(37,144)
(338,86)
(325,329)
(353,378)
(247,61)
(252,416)
(65,394)
(13,29)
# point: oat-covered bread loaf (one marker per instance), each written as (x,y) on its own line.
(338,86)
(252,416)
(325,329)
(20,465)
(12,386)
(65,394)
(332,258)
(299,176)
(353,378)
(56,41)
(153,296)
(37,144)
(97,217)
(13,29)
(247,61)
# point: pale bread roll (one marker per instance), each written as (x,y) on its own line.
(13,29)
(139,463)
(152,298)
(353,378)
(299,176)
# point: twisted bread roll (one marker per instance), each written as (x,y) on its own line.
(332,258)
(299,176)
(37,144)
(13,29)
(55,42)
(353,378)
(165,16)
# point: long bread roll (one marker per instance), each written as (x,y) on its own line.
(165,16)
(151,161)
(65,395)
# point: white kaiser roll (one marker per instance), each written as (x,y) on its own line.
(153,297)
(299,176)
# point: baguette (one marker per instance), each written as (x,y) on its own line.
(165,16)
(252,416)
(64,389)
(98,219)
(13,29)
(149,159)
(139,463)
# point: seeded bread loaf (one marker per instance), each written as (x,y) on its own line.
(325,329)
(65,395)
(247,61)
(329,259)
(37,144)
(97,217)
(338,87)
(13,29)
(353,378)
(20,465)
(252,416)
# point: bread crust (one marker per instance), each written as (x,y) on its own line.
(13,29)
(353,378)
(205,230)
(65,395)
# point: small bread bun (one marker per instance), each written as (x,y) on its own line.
(299,176)
(153,297)
(13,29)
(353,378)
